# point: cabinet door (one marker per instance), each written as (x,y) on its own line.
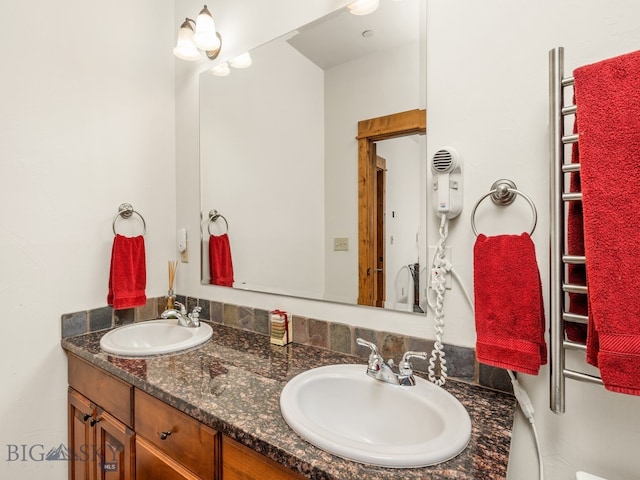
(152,464)
(242,463)
(82,415)
(115,445)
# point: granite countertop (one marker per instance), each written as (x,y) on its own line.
(233,382)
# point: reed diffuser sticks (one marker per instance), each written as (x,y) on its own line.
(173,266)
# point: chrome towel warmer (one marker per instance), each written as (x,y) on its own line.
(559,142)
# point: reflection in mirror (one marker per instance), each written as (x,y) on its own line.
(279,156)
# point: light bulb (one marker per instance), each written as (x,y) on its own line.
(363,7)
(205,36)
(185,49)
(241,61)
(221,70)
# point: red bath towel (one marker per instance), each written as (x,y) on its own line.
(128,273)
(608,108)
(577,274)
(220,261)
(509,310)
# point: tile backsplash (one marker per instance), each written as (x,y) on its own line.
(461,362)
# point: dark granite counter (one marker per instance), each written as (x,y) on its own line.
(233,383)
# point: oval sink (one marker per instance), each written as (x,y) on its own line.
(154,337)
(341,410)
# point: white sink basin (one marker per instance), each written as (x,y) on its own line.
(341,410)
(154,337)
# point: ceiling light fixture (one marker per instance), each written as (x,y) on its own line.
(205,37)
(363,7)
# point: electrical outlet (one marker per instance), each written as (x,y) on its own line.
(447,254)
(340,244)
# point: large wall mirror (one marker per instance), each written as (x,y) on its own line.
(279,154)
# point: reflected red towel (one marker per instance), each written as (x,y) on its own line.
(609,138)
(128,273)
(220,261)
(508,303)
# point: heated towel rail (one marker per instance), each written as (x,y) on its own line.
(561,112)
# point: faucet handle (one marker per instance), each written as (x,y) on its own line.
(181,307)
(405,367)
(375,359)
(364,343)
(195,313)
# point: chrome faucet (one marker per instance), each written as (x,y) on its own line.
(378,369)
(191,320)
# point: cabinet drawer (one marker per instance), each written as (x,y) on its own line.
(179,436)
(152,464)
(109,392)
(242,463)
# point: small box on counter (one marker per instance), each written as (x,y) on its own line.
(281,327)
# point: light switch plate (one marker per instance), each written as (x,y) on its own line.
(340,244)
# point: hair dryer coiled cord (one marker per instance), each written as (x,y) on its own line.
(438,281)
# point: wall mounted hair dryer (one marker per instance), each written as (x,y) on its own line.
(446,166)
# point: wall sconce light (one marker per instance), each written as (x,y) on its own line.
(204,38)
(221,70)
(363,7)
(241,61)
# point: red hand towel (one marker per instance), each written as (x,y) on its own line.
(220,262)
(128,274)
(608,109)
(509,310)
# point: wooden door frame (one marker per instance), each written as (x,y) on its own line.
(369,131)
(379,232)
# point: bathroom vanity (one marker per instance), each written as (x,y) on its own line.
(213,413)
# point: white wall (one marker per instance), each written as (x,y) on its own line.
(87,123)
(487,96)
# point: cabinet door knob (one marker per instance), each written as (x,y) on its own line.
(86,417)
(164,435)
(94,421)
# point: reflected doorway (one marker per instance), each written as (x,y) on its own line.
(371,194)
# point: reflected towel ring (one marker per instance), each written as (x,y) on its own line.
(504,192)
(125,211)
(213,217)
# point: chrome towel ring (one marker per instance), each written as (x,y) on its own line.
(213,217)
(125,210)
(503,192)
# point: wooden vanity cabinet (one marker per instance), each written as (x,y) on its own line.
(118,432)
(101,446)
